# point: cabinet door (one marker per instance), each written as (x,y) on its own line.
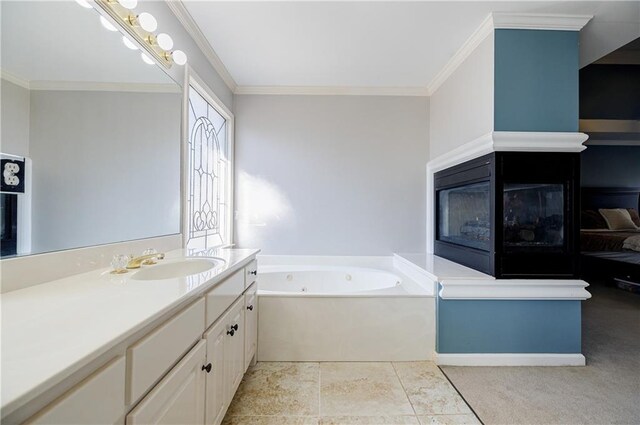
(234,348)
(216,397)
(79,405)
(179,397)
(251,325)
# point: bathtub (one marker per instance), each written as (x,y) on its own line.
(343,309)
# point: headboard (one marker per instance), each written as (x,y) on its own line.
(610,197)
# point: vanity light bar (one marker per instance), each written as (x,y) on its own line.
(141,27)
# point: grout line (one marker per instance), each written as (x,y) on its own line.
(415,414)
(319,391)
(458,391)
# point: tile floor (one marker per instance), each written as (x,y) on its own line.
(416,393)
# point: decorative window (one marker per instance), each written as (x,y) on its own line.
(208,209)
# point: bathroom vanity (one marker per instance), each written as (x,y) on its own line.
(112,349)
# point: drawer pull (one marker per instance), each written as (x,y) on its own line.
(207,368)
(235,327)
(231,332)
(250,307)
(254,272)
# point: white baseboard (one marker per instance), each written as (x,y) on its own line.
(509,359)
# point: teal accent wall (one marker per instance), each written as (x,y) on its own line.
(505,326)
(536,80)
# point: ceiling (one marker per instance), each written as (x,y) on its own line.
(60,41)
(371,43)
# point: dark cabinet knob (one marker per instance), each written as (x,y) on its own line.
(235,327)
(207,368)
(250,307)
(254,272)
(231,332)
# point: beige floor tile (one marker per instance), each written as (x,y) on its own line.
(469,419)
(369,420)
(361,389)
(269,420)
(278,389)
(429,390)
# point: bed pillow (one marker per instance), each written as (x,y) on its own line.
(618,219)
(632,243)
(634,216)
(592,219)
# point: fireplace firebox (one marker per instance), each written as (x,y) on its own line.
(511,214)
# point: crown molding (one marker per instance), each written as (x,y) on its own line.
(90,85)
(331,91)
(539,21)
(104,86)
(15,79)
(180,11)
(499,20)
(468,47)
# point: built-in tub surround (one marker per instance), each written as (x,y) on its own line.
(344,309)
(55,333)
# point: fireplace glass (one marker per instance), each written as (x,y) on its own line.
(533,215)
(464,214)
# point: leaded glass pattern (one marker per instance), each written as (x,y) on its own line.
(208,200)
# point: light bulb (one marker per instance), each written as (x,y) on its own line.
(164,41)
(129,43)
(147,22)
(108,25)
(147,59)
(128,4)
(84,3)
(179,57)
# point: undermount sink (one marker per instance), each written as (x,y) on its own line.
(172,269)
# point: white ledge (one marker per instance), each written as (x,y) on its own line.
(509,359)
(514,289)
(510,141)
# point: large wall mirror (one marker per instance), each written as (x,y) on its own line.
(90,133)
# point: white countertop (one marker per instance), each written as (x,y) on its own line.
(440,269)
(52,330)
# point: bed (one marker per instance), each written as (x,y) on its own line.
(604,253)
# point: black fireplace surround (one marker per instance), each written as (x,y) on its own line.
(511,214)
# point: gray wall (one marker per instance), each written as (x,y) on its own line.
(114,177)
(462,107)
(331,175)
(14,113)
(611,166)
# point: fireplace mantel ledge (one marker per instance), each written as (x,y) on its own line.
(514,289)
(510,141)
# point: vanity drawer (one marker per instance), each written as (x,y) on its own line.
(97,399)
(222,296)
(251,271)
(151,357)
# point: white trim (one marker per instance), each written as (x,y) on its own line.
(180,11)
(539,21)
(15,79)
(509,359)
(104,86)
(497,20)
(514,289)
(331,91)
(474,40)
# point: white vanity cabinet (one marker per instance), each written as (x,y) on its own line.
(179,397)
(184,371)
(225,354)
(251,324)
